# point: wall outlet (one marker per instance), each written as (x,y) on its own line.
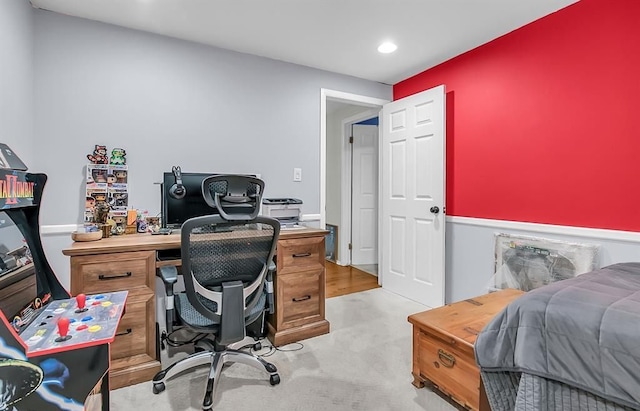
(297,174)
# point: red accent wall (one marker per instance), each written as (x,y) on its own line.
(543,124)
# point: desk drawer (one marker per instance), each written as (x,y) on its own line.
(113,272)
(133,336)
(300,296)
(300,253)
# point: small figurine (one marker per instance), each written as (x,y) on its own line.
(120,199)
(120,223)
(141,226)
(99,176)
(99,155)
(111,178)
(121,176)
(90,204)
(141,222)
(117,157)
(153,224)
(101,208)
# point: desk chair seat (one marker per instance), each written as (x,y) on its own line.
(192,317)
(227,267)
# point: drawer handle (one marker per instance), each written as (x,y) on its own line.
(306,297)
(124,333)
(302,255)
(446,359)
(112,277)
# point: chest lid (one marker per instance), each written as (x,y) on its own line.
(464,319)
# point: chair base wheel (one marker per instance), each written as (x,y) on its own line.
(274,379)
(158,387)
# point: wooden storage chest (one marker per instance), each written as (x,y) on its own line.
(443,340)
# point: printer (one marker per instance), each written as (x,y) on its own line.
(285,210)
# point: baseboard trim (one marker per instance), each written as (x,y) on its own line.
(596,233)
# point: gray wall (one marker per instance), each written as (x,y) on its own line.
(16,77)
(171,102)
(168,102)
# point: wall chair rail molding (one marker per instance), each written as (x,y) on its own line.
(585,232)
(69,228)
(59,228)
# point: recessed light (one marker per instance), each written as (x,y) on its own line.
(387,47)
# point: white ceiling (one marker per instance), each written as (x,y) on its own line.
(335,35)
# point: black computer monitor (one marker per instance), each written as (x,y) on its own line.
(175,211)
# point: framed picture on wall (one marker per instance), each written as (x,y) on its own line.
(331,243)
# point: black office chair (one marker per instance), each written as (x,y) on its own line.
(227,267)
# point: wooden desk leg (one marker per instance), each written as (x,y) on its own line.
(484,401)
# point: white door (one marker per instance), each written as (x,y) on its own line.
(364,201)
(413,196)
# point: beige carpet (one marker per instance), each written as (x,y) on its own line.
(364,363)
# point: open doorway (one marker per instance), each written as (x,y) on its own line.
(339,113)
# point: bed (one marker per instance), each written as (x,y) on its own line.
(570,345)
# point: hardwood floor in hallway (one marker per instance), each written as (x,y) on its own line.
(342,280)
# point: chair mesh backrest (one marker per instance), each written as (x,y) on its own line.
(229,251)
(235,197)
(219,187)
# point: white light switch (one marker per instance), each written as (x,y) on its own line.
(297,174)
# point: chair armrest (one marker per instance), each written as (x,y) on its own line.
(169,275)
(269,287)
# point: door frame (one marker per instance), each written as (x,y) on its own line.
(346,187)
(355,99)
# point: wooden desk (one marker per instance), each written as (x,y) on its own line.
(129,262)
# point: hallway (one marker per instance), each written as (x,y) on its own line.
(341,280)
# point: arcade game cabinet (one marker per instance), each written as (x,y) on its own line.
(54,351)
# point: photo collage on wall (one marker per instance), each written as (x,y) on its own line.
(106,183)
